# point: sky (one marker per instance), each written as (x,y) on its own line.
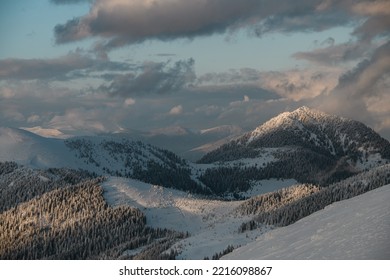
(86,67)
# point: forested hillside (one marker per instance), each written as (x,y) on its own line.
(280,209)
(75,222)
(20,184)
(134,159)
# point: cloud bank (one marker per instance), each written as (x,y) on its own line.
(122,22)
(29,69)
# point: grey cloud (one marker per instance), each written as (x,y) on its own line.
(306,20)
(362,93)
(361,80)
(377,21)
(73,30)
(122,22)
(81,118)
(157,78)
(127,22)
(291,84)
(240,76)
(299,84)
(71,66)
(29,69)
(373,27)
(336,54)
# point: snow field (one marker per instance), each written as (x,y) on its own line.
(358,228)
(213,225)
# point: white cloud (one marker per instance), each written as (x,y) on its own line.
(33,118)
(300,84)
(177,110)
(6,92)
(129,101)
(12,113)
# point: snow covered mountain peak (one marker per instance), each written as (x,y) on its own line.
(296,120)
(312,128)
(311,136)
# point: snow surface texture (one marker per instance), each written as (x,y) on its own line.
(358,228)
(212,224)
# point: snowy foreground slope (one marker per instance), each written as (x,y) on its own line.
(358,228)
(212,224)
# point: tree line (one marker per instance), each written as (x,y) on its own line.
(75,222)
(283,214)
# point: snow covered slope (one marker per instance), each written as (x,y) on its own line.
(30,149)
(103,155)
(358,228)
(212,224)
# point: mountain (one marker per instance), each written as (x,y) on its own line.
(328,134)
(133,159)
(307,145)
(27,148)
(102,155)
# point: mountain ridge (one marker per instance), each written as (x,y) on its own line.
(306,145)
(326,134)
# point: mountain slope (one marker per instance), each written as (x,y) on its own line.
(27,148)
(103,155)
(326,134)
(322,132)
(352,229)
(75,222)
(133,159)
(307,145)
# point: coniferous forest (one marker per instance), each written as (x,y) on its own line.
(70,220)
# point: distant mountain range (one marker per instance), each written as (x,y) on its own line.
(188,144)
(306,145)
